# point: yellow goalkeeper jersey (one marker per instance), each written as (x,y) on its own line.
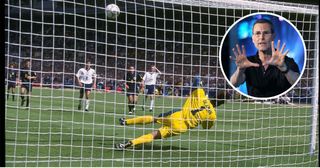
(198,110)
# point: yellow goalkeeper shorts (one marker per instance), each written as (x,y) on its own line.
(172,123)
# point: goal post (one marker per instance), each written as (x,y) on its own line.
(315,101)
(182,38)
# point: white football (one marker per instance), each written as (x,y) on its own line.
(113,11)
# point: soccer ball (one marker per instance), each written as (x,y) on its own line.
(113,11)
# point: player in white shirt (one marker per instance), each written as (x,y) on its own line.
(86,79)
(149,80)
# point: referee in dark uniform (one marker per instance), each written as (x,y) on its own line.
(12,78)
(27,77)
(132,79)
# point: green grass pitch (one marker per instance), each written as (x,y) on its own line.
(54,133)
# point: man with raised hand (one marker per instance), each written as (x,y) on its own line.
(268,73)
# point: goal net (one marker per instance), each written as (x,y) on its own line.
(182,39)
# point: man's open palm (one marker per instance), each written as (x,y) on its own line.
(277,58)
(241,58)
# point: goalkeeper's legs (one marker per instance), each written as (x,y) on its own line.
(140,140)
(170,127)
(137,120)
(146,138)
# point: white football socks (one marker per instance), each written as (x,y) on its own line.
(87,104)
(151,104)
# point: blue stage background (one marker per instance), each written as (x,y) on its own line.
(241,34)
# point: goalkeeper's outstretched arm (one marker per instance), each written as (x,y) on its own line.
(216,101)
(219,98)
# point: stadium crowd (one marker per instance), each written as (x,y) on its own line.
(56,60)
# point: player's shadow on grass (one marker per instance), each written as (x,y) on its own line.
(155,147)
(148,146)
(159,147)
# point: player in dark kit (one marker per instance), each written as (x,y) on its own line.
(133,80)
(27,77)
(12,78)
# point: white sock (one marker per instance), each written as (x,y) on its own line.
(87,104)
(83,102)
(151,104)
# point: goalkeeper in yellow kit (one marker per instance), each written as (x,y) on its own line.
(198,109)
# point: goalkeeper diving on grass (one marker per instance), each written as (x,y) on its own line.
(197,109)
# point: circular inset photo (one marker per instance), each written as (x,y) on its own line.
(262,56)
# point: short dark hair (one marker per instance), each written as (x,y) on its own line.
(25,61)
(264,21)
